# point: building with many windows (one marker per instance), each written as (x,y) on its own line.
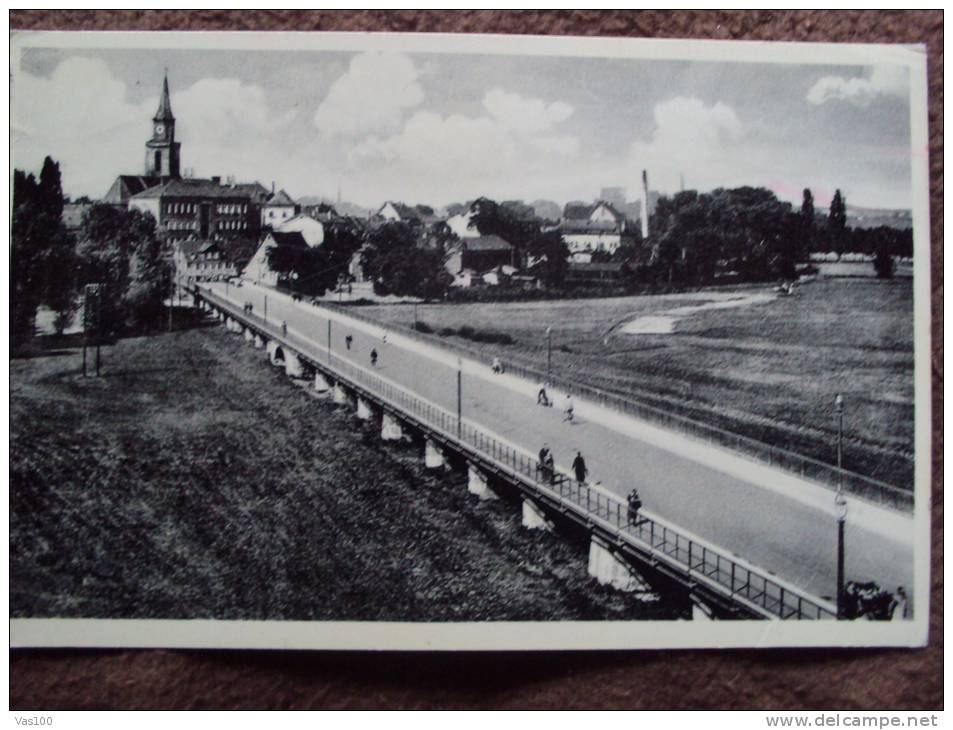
(201,209)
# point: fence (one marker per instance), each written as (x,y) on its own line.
(776,456)
(650,536)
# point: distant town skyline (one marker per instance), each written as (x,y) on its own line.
(438,128)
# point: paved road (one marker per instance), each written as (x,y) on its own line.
(788,537)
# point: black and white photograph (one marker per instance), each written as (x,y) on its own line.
(396,341)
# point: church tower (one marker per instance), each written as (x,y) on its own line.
(162,151)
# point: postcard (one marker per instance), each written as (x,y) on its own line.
(462,342)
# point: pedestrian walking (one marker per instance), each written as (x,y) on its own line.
(635,504)
(284,327)
(546,465)
(901,605)
(542,397)
(497,365)
(579,468)
(347,341)
(374,357)
(569,410)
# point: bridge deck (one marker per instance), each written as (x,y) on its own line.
(720,510)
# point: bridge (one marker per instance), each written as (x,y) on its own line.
(739,539)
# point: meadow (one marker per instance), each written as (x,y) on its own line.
(768,370)
(193,480)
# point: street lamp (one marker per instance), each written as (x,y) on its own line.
(459,396)
(839,407)
(840,509)
(549,354)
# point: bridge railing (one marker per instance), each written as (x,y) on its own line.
(776,456)
(705,562)
(732,576)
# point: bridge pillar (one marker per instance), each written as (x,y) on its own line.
(259,342)
(391,429)
(364,409)
(271,349)
(534,518)
(433,455)
(339,394)
(249,337)
(701,612)
(293,366)
(608,568)
(477,483)
(321,383)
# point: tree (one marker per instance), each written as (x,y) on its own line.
(552,252)
(42,263)
(837,221)
(808,220)
(883,263)
(342,239)
(304,269)
(513,221)
(701,235)
(119,249)
(397,265)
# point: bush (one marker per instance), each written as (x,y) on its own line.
(474,335)
(423,327)
(883,264)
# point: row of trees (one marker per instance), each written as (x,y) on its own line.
(117,248)
(748,233)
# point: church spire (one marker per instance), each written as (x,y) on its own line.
(164,112)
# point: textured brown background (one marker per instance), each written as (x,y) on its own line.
(787,679)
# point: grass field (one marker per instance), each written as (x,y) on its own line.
(767,370)
(194,481)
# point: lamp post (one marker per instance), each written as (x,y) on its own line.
(839,407)
(549,354)
(459,396)
(840,504)
(840,509)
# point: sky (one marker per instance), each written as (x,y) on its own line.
(437,128)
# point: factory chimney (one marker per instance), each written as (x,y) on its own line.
(645,205)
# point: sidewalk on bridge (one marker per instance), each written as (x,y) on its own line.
(887,522)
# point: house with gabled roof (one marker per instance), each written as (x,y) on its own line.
(196,260)
(258,269)
(588,229)
(311,228)
(393,212)
(470,257)
(278,208)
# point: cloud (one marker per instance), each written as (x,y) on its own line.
(81,116)
(882,81)
(523,116)
(227,127)
(516,140)
(371,97)
(703,142)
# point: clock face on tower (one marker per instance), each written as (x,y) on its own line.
(160,130)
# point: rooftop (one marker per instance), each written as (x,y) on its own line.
(199,187)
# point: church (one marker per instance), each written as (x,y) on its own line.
(187,208)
